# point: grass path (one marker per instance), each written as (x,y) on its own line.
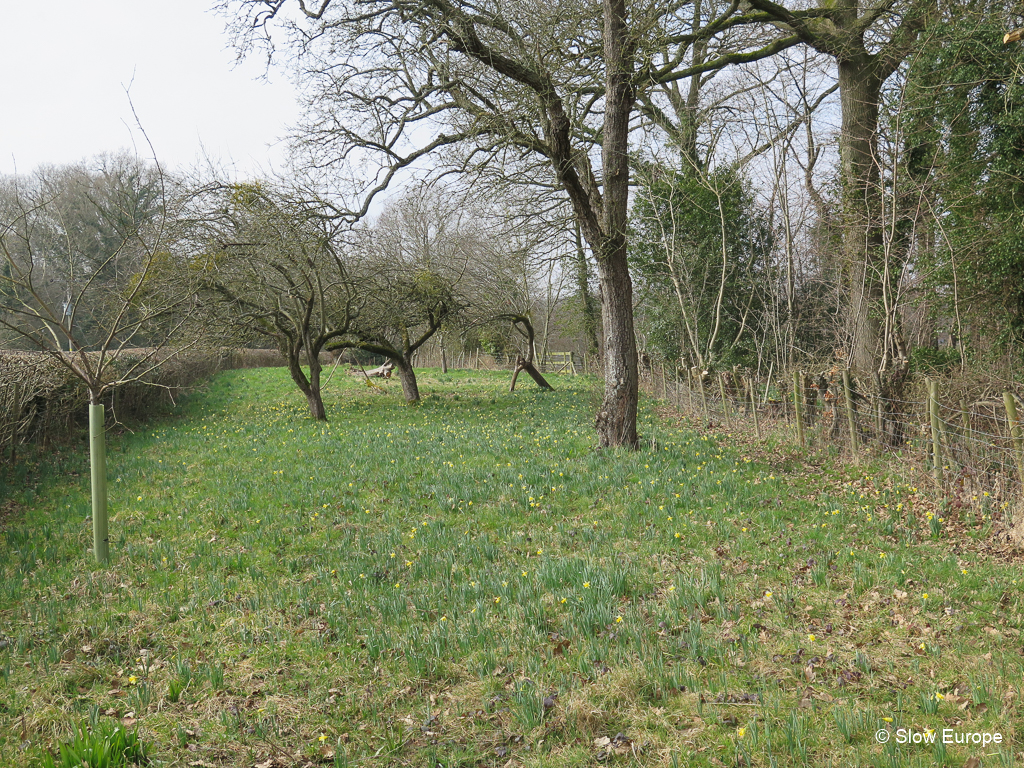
(469,583)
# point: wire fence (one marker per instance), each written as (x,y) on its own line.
(432,356)
(966,435)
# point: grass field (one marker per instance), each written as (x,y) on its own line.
(469,583)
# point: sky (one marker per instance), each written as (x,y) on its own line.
(65,65)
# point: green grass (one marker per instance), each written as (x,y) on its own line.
(101,745)
(469,582)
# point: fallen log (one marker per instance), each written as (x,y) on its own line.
(380,372)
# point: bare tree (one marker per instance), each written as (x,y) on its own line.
(799,151)
(409,270)
(868,41)
(271,269)
(84,259)
(501,296)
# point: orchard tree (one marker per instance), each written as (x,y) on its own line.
(409,269)
(273,270)
(501,286)
(401,310)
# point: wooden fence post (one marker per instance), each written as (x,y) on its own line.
(965,418)
(725,404)
(798,408)
(1015,432)
(703,394)
(933,417)
(850,420)
(679,384)
(879,421)
(689,386)
(753,409)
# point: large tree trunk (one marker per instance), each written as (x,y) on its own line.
(315,396)
(310,387)
(316,405)
(859,89)
(616,421)
(407,376)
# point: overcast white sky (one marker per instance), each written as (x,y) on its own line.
(64,66)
